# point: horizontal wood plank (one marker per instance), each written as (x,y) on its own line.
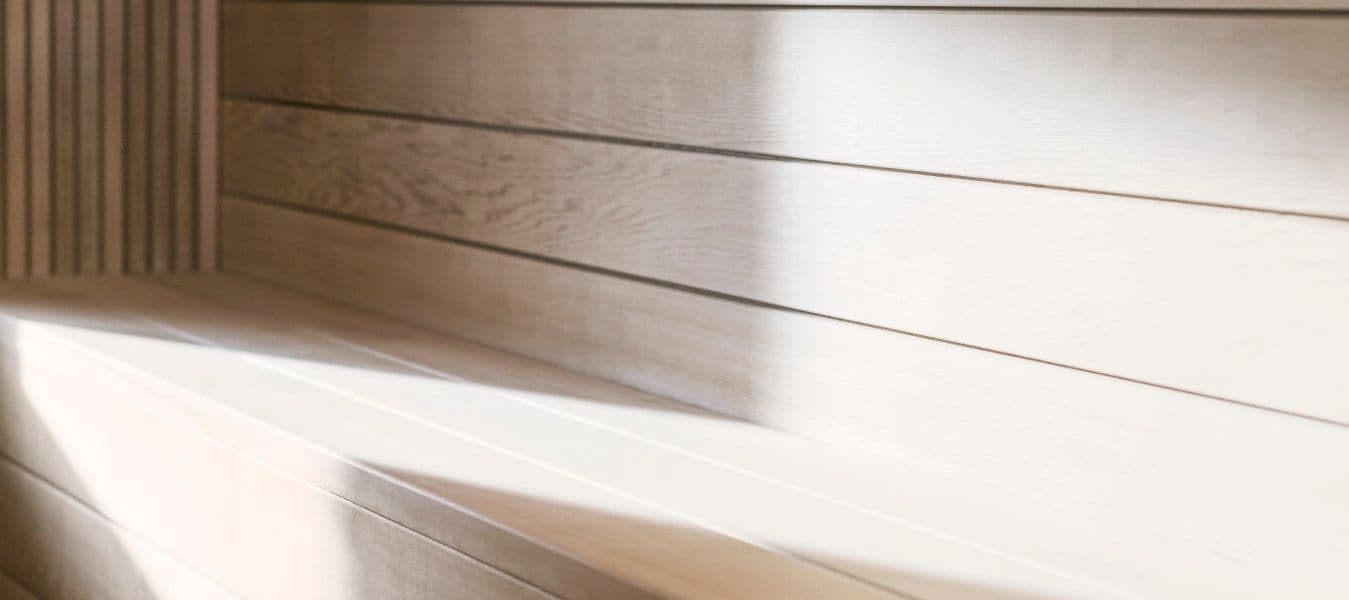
(1243,5)
(1225,109)
(60,548)
(230,515)
(515,512)
(1238,304)
(1087,448)
(663,475)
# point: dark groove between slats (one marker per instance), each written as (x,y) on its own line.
(66,191)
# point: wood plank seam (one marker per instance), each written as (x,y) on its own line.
(95,512)
(280,204)
(508,452)
(641,143)
(157,380)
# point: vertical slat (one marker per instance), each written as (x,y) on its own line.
(208,98)
(185,111)
(39,79)
(114,216)
(89,225)
(4,135)
(161,136)
(136,128)
(65,205)
(16,138)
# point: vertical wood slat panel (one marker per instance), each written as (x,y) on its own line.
(39,144)
(208,103)
(64,141)
(114,216)
(184,126)
(137,167)
(16,136)
(88,225)
(107,135)
(161,136)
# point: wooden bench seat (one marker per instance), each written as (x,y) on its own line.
(285,447)
(281,446)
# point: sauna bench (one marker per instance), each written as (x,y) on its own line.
(271,445)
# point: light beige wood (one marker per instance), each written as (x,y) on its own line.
(90,216)
(1159,292)
(39,142)
(1272,5)
(851,541)
(114,148)
(208,136)
(382,455)
(65,140)
(62,549)
(1226,109)
(161,122)
(907,494)
(231,516)
(1052,441)
(16,140)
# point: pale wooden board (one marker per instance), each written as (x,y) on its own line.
(1087,448)
(62,549)
(138,137)
(161,122)
(39,142)
(15,143)
(1263,5)
(1238,304)
(256,530)
(90,215)
(904,494)
(381,455)
(114,144)
(208,97)
(900,557)
(1226,109)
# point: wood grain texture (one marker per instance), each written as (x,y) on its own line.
(231,516)
(137,137)
(40,137)
(65,142)
(79,133)
(16,140)
(90,216)
(61,548)
(1071,448)
(113,135)
(1225,109)
(1238,304)
(1264,5)
(161,137)
(184,135)
(339,440)
(208,97)
(907,493)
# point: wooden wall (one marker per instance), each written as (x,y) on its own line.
(109,131)
(1051,252)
